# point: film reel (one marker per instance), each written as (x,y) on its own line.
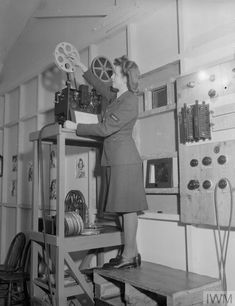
(64,54)
(75,202)
(102,68)
(73,224)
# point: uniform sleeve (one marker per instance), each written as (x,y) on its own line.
(103,88)
(113,121)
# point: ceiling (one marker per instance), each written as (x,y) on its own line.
(16,16)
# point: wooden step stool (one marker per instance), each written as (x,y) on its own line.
(152,284)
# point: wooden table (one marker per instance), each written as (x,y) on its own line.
(177,286)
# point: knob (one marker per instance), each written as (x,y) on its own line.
(194,163)
(212,78)
(206,184)
(212,93)
(206,161)
(222,159)
(222,183)
(193,184)
(191,84)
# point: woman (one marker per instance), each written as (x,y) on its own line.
(120,158)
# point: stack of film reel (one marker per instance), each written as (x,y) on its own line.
(75,215)
(73,223)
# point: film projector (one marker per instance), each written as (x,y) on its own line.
(80,98)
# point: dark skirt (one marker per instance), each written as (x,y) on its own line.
(123,189)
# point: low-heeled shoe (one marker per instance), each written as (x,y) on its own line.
(116,259)
(122,263)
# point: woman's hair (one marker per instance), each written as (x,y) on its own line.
(130,70)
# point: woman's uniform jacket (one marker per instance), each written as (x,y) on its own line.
(116,124)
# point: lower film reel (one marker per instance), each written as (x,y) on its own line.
(75,201)
(73,224)
(102,68)
(64,54)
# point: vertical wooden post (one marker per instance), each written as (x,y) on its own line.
(60,195)
(60,296)
(60,185)
(34,254)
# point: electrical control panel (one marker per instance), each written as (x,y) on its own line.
(204,168)
(206,128)
(194,122)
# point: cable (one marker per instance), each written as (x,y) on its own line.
(47,257)
(223,244)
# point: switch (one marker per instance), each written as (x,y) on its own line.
(193,184)
(206,184)
(222,159)
(216,149)
(206,161)
(222,184)
(194,163)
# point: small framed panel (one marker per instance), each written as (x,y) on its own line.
(141,100)
(159,173)
(159,97)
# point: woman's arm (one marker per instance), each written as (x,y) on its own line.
(103,88)
(100,86)
(113,121)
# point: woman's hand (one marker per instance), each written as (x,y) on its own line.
(70,125)
(77,62)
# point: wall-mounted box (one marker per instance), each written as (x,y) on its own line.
(161,174)
(159,96)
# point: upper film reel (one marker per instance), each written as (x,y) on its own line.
(102,68)
(64,54)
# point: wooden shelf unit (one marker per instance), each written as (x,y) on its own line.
(64,246)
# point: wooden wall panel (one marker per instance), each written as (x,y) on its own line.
(25,220)
(2,105)
(26,161)
(1,153)
(161,129)
(11,162)
(12,105)
(29,95)
(10,223)
(113,46)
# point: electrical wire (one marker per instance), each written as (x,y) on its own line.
(43,200)
(223,243)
